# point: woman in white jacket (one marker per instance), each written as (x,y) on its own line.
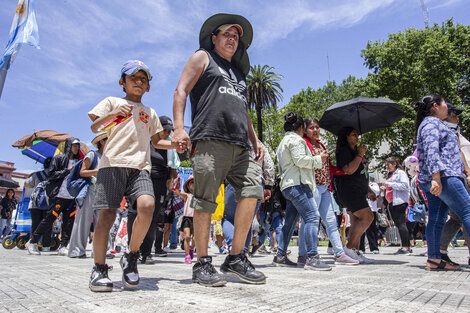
(397,193)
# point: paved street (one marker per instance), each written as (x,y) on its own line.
(50,283)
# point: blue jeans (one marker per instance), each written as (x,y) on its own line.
(5,227)
(276,224)
(228,221)
(325,211)
(299,203)
(174,234)
(454,196)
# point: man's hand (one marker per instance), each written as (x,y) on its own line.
(259,152)
(181,140)
(123,110)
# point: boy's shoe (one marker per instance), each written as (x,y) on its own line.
(110,255)
(130,275)
(351,253)
(223,250)
(205,274)
(403,251)
(147,259)
(239,266)
(160,253)
(363,259)
(191,253)
(63,251)
(330,251)
(344,259)
(315,263)
(187,259)
(301,260)
(255,248)
(32,248)
(375,251)
(46,249)
(263,250)
(99,280)
(283,262)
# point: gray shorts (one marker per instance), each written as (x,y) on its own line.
(114,183)
(213,162)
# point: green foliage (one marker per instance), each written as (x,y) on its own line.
(186,163)
(263,92)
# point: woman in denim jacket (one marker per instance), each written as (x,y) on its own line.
(441,175)
(397,193)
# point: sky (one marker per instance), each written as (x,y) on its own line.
(84,44)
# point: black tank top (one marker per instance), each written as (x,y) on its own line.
(218,104)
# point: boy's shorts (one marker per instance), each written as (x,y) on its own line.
(113,183)
(213,162)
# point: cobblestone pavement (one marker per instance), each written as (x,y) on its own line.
(51,283)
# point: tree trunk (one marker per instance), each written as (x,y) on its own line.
(260,122)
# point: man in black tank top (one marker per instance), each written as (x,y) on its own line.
(214,79)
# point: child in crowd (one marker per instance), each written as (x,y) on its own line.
(187,222)
(124,170)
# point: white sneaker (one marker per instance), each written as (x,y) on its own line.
(32,248)
(46,249)
(63,251)
(330,251)
(351,253)
(363,259)
(167,250)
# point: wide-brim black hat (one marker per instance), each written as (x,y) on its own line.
(240,58)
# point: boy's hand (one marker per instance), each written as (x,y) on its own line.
(123,110)
(181,140)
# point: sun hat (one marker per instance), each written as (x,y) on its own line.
(133,66)
(186,183)
(240,58)
(100,136)
(451,107)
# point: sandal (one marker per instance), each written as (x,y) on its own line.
(442,266)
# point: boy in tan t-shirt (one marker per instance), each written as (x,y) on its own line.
(124,170)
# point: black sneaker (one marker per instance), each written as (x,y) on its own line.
(147,259)
(255,248)
(239,265)
(99,280)
(403,251)
(130,275)
(284,261)
(205,274)
(161,253)
(445,257)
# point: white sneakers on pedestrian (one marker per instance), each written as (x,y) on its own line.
(357,255)
(344,259)
(32,248)
(63,251)
(330,251)
(167,250)
(363,259)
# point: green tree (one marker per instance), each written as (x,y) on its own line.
(263,91)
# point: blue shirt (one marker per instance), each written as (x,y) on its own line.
(438,150)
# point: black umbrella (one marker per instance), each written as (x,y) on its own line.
(8,182)
(363,114)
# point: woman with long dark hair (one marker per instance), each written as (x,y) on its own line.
(8,206)
(397,193)
(441,175)
(352,189)
(296,164)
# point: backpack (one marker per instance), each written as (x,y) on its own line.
(75,183)
(419,212)
(334,185)
(39,197)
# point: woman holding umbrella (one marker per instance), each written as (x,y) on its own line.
(441,175)
(352,189)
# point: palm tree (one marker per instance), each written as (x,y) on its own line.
(263,90)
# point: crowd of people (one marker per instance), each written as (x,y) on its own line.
(130,174)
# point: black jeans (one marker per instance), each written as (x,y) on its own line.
(36,217)
(398,213)
(372,234)
(57,206)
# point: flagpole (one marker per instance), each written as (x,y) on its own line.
(3,73)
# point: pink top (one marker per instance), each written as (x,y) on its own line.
(389,192)
(188,210)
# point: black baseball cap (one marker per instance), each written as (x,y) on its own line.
(166,122)
(451,107)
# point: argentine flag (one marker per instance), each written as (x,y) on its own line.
(24,29)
